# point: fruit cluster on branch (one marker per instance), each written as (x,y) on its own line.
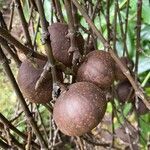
(82,105)
(84,78)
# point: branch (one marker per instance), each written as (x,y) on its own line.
(138,32)
(9,50)
(108,20)
(13,128)
(24,23)
(26,50)
(72,33)
(46,42)
(115,28)
(91,33)
(11,15)
(121,28)
(5,44)
(59,11)
(4,145)
(126,25)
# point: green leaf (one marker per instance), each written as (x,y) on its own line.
(47,9)
(145,32)
(145,127)
(26,10)
(144,64)
(146,11)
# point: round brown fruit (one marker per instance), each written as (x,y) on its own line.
(80,109)
(118,72)
(98,68)
(60,43)
(27,78)
(124,92)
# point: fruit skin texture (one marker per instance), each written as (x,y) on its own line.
(80,109)
(27,78)
(118,73)
(123,90)
(61,43)
(98,68)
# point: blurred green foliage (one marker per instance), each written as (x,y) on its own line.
(7,94)
(1,4)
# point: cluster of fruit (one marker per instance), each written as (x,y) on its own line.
(81,107)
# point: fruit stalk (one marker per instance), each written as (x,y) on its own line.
(28,114)
(75,16)
(138,91)
(46,42)
(72,33)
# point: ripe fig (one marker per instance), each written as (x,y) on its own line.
(27,78)
(80,109)
(60,43)
(118,72)
(125,92)
(98,68)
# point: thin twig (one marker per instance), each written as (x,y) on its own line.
(46,42)
(138,31)
(26,50)
(115,29)
(59,11)
(97,143)
(5,44)
(42,123)
(126,25)
(121,28)
(92,18)
(4,145)
(72,33)
(29,139)
(138,50)
(9,50)
(24,23)
(108,20)
(11,15)
(11,140)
